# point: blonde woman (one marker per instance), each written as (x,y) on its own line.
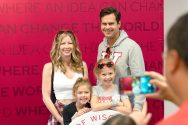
(61,73)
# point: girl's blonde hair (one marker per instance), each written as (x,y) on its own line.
(101,64)
(81,82)
(55,53)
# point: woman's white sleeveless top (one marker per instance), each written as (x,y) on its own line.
(63,85)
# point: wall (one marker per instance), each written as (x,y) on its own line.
(27,29)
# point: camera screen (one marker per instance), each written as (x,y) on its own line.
(136,85)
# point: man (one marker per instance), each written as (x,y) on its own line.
(124,52)
(174,86)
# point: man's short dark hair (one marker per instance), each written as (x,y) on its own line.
(110,10)
(177,38)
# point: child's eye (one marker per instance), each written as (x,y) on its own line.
(103,74)
(70,43)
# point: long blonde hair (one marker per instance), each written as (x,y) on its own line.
(56,58)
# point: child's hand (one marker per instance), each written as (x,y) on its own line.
(82,111)
(120,104)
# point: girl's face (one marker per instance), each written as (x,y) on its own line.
(106,75)
(83,94)
(66,46)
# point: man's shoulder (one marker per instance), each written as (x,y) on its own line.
(130,41)
(129,44)
(102,43)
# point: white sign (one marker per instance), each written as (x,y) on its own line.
(94,118)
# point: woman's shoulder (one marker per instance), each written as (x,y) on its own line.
(84,63)
(47,66)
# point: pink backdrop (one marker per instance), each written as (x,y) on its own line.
(27,29)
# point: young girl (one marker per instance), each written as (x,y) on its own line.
(106,94)
(82,94)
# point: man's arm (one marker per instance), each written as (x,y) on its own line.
(136,61)
(137,68)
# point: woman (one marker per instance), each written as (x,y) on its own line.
(65,67)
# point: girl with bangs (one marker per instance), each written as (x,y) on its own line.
(82,93)
(106,94)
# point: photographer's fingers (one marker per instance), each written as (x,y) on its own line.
(155,75)
(160,84)
(154,96)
